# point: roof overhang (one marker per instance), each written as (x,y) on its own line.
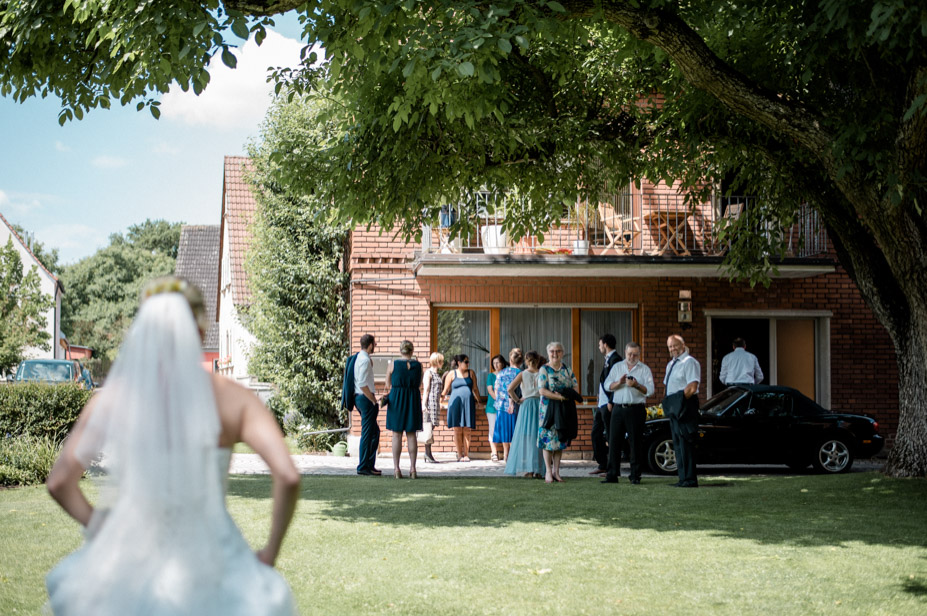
(569,266)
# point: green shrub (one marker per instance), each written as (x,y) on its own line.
(316,442)
(40,409)
(26,460)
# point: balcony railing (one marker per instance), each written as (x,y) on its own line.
(657,224)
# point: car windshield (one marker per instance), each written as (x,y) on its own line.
(719,403)
(45,371)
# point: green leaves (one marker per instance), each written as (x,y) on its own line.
(465,69)
(228,58)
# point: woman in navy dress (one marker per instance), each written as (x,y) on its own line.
(404,413)
(461,386)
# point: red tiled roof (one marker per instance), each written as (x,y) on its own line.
(238,209)
(26,246)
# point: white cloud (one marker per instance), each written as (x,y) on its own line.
(234,97)
(61,147)
(165,148)
(23,204)
(108,162)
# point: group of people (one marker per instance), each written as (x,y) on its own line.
(531,408)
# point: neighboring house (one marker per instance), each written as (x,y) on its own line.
(50,286)
(234,293)
(646,266)
(198,262)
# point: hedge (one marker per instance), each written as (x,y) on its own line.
(40,410)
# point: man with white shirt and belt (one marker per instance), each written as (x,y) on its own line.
(683,375)
(632,383)
(741,366)
(365,400)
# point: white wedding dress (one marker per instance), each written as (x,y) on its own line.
(161,541)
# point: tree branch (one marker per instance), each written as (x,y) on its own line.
(263,8)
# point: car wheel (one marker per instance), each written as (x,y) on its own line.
(832,455)
(662,457)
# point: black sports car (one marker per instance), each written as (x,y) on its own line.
(761,424)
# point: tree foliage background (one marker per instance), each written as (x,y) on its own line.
(821,102)
(299,311)
(101,291)
(22,309)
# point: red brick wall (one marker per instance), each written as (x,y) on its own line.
(390,302)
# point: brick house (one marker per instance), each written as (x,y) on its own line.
(646,266)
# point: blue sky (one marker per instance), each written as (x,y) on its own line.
(73,186)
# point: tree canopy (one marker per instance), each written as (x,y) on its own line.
(815,101)
(101,291)
(22,310)
(299,312)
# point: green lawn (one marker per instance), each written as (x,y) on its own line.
(852,544)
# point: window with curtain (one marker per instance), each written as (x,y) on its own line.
(593,325)
(466,332)
(533,328)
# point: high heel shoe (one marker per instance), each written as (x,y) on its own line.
(413,475)
(397,474)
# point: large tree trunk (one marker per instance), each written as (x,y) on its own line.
(908,456)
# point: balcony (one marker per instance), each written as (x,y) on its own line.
(657,228)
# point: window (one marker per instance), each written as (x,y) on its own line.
(466,332)
(593,324)
(532,329)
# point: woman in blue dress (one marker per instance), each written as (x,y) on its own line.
(460,385)
(505,408)
(525,455)
(404,412)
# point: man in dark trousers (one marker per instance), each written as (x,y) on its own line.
(366,402)
(602,417)
(683,375)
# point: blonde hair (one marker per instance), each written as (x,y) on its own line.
(515,356)
(189,291)
(436,359)
(405,347)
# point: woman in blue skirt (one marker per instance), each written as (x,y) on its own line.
(524,454)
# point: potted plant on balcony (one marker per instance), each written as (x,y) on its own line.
(586,218)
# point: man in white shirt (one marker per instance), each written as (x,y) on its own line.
(365,400)
(740,366)
(683,375)
(632,383)
(602,415)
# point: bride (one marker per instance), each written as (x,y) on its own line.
(159,540)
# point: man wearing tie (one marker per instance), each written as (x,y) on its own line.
(683,375)
(603,414)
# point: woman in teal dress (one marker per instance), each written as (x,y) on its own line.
(552,379)
(524,454)
(497,364)
(404,413)
(460,385)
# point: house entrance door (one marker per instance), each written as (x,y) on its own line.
(795,344)
(723,331)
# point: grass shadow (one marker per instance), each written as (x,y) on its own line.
(794,510)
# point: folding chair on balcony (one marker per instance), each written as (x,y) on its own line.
(621,230)
(731,214)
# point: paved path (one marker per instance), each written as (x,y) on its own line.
(251,464)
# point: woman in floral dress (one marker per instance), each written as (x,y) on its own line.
(553,379)
(505,409)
